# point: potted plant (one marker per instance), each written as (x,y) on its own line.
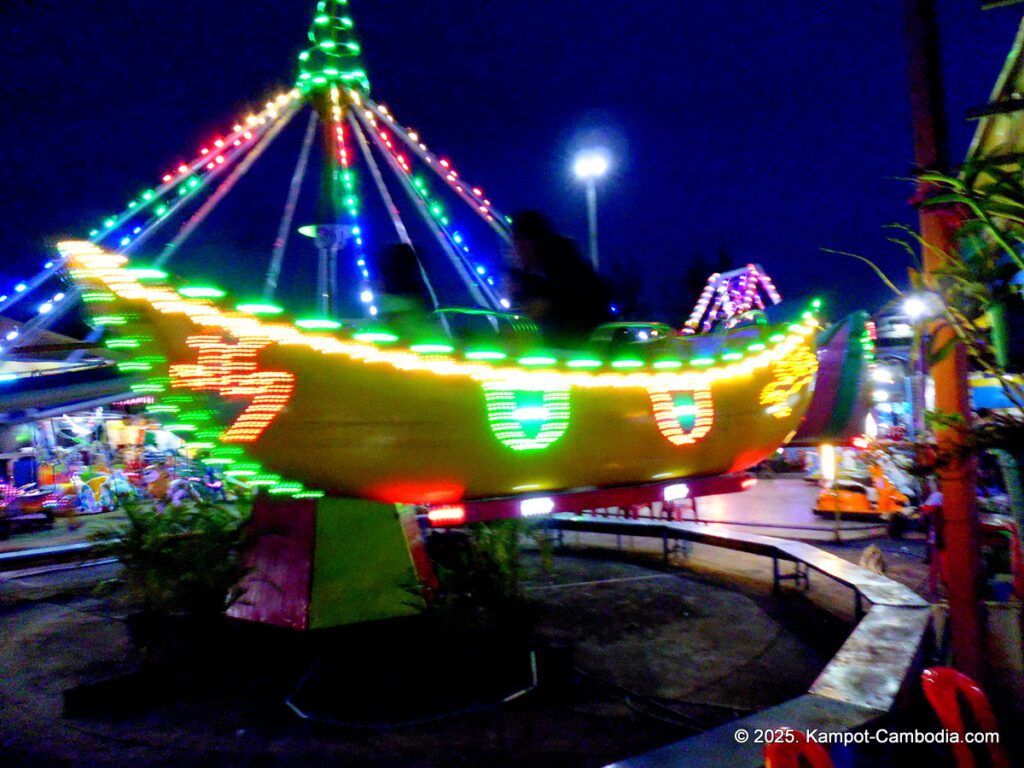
(182,568)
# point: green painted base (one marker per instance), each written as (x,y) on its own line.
(362,566)
(330,562)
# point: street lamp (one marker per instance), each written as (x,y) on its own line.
(591,165)
(918,307)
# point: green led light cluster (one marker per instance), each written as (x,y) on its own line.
(436,209)
(334,54)
(527,419)
(185,413)
(547,360)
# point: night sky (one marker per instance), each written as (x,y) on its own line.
(767,130)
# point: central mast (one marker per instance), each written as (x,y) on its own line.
(329,67)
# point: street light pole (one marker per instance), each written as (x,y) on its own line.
(590,166)
(592,220)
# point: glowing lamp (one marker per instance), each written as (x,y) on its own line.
(318,324)
(449,514)
(827,454)
(531,413)
(375,337)
(540,505)
(591,164)
(146,273)
(432,349)
(915,307)
(881,375)
(675,492)
(260,308)
(537,360)
(201,292)
(485,354)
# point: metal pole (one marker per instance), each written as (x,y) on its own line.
(592,220)
(918,377)
(322,291)
(285,227)
(959,513)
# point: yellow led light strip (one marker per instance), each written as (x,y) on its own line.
(91,263)
(792,374)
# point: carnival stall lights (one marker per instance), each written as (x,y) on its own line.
(92,462)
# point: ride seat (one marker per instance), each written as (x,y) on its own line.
(621,333)
(470,322)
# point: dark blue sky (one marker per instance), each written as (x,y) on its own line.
(766,129)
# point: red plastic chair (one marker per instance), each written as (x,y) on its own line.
(788,755)
(943,688)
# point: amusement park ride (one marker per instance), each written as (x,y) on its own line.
(345,424)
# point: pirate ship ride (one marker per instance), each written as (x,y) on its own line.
(306,406)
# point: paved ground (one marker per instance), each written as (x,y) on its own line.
(658,663)
(660,655)
(776,507)
(783,506)
(64,531)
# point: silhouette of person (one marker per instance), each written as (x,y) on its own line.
(553,284)
(405,302)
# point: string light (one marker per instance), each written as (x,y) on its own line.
(95,265)
(181,182)
(527,406)
(436,210)
(473,195)
(333,57)
(231,370)
(727,298)
(350,198)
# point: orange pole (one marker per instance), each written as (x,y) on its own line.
(957,477)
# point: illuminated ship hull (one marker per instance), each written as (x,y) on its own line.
(842,391)
(308,411)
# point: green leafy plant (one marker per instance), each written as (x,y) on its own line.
(479,579)
(184,560)
(975,287)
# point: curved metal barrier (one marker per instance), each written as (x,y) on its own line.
(862,683)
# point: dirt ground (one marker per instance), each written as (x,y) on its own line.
(658,655)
